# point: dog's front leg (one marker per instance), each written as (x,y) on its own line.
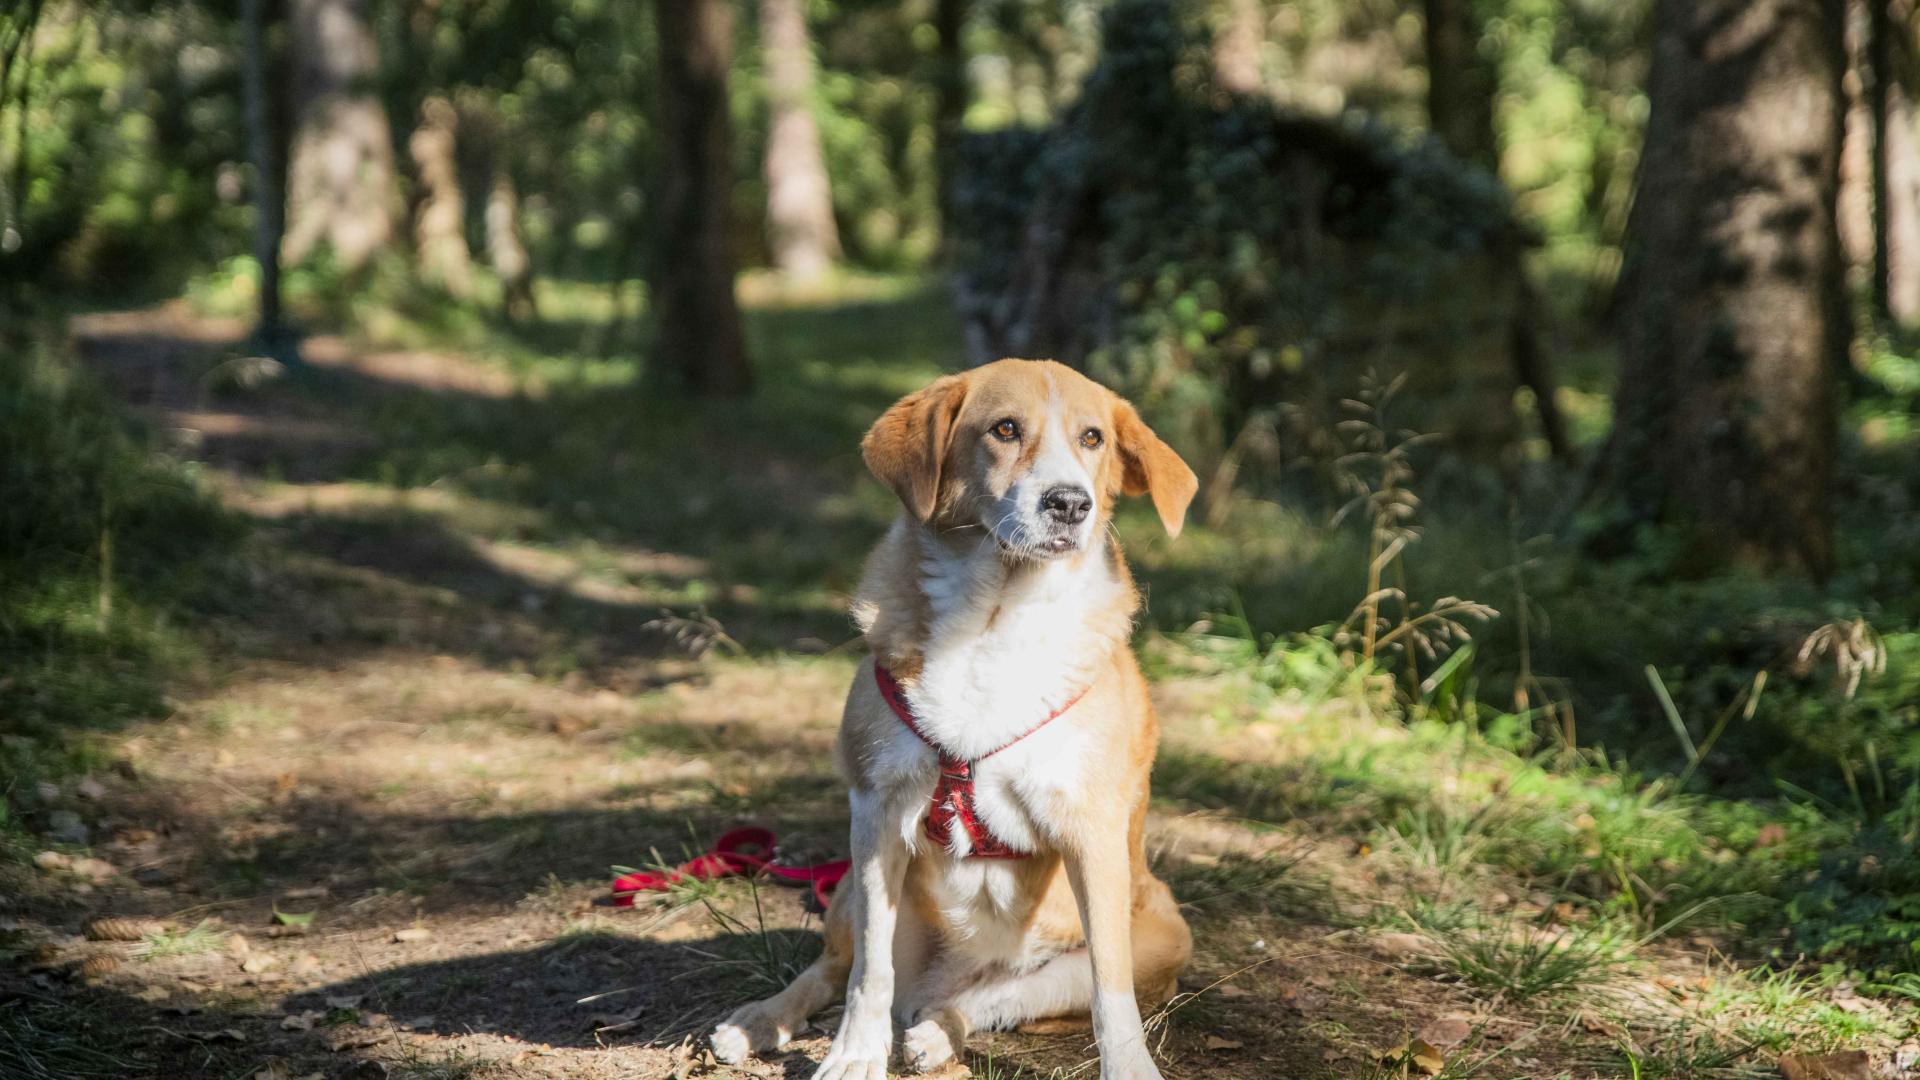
(1099,869)
(865,1039)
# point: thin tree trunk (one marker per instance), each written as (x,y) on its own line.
(950,95)
(1724,418)
(1236,48)
(1460,99)
(340,184)
(698,319)
(1460,84)
(440,223)
(269,208)
(507,252)
(800,227)
(1896,163)
(1855,211)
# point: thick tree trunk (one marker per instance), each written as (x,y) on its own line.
(1460,100)
(800,228)
(698,320)
(507,253)
(340,183)
(269,207)
(1236,47)
(1896,162)
(1724,418)
(440,222)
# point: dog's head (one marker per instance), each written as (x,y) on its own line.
(1031,451)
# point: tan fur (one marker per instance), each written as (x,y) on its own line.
(1088,884)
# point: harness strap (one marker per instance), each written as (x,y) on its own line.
(953,794)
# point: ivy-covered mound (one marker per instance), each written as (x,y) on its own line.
(1214,256)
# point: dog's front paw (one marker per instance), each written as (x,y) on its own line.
(752,1029)
(851,1064)
(1129,1065)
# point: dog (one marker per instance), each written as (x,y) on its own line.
(997,743)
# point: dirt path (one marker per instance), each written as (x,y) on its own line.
(377,826)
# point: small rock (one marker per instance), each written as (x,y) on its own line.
(66,826)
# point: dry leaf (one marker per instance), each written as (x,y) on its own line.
(1215,1042)
(1845,1065)
(1426,1057)
(302,1021)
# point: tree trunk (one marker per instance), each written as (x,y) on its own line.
(440,223)
(340,184)
(269,207)
(1460,99)
(1724,418)
(1236,48)
(950,95)
(800,228)
(506,252)
(1855,208)
(698,320)
(1460,84)
(1896,163)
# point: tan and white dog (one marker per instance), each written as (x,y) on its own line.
(999,741)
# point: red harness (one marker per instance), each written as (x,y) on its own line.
(953,795)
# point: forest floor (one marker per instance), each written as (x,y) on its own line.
(373,836)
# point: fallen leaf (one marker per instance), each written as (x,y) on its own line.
(1215,1042)
(1845,1065)
(1445,1033)
(1426,1057)
(301,919)
(273,1069)
(301,1021)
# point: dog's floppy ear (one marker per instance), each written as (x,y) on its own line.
(1150,467)
(906,446)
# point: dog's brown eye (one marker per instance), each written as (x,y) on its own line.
(1091,438)
(1006,431)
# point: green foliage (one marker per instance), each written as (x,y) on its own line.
(102,547)
(1242,255)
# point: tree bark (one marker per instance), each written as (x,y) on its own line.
(269,206)
(1856,198)
(800,229)
(1236,48)
(340,184)
(1895,162)
(698,320)
(1724,418)
(440,222)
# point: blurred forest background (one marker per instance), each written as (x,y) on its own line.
(1551,369)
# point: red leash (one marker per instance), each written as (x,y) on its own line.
(747,850)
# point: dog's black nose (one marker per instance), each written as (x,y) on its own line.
(1067,505)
